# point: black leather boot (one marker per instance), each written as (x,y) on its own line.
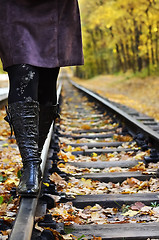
(24,117)
(48,114)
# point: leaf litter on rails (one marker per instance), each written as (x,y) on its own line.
(65,212)
(115,156)
(65,145)
(76,171)
(76,186)
(68,214)
(135,213)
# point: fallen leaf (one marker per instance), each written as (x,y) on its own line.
(137,206)
(58,180)
(130,213)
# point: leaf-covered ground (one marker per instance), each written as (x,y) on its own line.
(140,94)
(10,164)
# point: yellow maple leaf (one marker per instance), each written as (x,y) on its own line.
(94,155)
(130,213)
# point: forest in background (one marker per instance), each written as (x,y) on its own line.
(119,35)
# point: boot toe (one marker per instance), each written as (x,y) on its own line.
(30,181)
(28,190)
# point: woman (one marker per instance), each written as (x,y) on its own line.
(37,37)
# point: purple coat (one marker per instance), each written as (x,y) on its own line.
(44,33)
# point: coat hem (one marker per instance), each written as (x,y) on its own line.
(44,65)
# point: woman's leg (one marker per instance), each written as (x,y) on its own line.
(24,80)
(47,86)
(47,98)
(23,113)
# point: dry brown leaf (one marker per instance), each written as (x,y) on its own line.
(55,178)
(85,127)
(137,206)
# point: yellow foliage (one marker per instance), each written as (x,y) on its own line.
(118,32)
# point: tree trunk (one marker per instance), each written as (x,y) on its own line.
(137,43)
(151,41)
(147,59)
(124,56)
(119,61)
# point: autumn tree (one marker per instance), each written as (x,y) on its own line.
(119,35)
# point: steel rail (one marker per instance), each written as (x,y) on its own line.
(130,121)
(23,226)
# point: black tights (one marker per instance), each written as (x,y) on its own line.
(36,83)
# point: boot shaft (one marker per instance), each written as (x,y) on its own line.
(25,121)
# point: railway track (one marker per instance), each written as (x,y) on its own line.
(103,161)
(85,129)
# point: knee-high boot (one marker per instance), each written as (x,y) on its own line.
(24,117)
(48,114)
